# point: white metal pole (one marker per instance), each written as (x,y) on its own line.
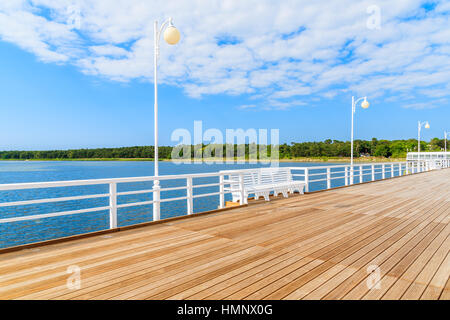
(222,192)
(445,138)
(155,76)
(112,205)
(156,187)
(328,178)
(346,175)
(351,151)
(190,196)
(418,140)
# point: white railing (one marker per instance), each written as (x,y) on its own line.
(414,156)
(113,195)
(349,175)
(329,176)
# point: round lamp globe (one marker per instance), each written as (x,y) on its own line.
(365,104)
(171,35)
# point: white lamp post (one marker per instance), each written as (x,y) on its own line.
(419,128)
(171,36)
(365,104)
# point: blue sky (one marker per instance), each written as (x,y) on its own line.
(79,73)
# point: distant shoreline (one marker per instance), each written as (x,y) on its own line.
(306,159)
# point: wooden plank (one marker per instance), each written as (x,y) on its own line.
(376,257)
(408,277)
(436,286)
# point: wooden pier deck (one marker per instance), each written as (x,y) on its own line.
(328,245)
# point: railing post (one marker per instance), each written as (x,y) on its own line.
(400,165)
(113,205)
(328,178)
(352,173)
(392,170)
(306,180)
(156,202)
(222,192)
(373,172)
(383,171)
(189,194)
(360,174)
(241,189)
(346,176)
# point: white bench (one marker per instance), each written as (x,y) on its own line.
(261,182)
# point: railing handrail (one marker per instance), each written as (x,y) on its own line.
(347,165)
(428,156)
(85,182)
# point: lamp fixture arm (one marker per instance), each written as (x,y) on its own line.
(158,34)
(356,102)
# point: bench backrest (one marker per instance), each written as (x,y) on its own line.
(250,178)
(275,175)
(264,176)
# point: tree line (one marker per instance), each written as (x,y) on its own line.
(327,148)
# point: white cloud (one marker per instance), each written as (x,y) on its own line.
(282,51)
(425,105)
(109,50)
(247,106)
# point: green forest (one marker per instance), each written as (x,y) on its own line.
(327,148)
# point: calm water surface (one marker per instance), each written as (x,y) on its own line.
(16,233)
